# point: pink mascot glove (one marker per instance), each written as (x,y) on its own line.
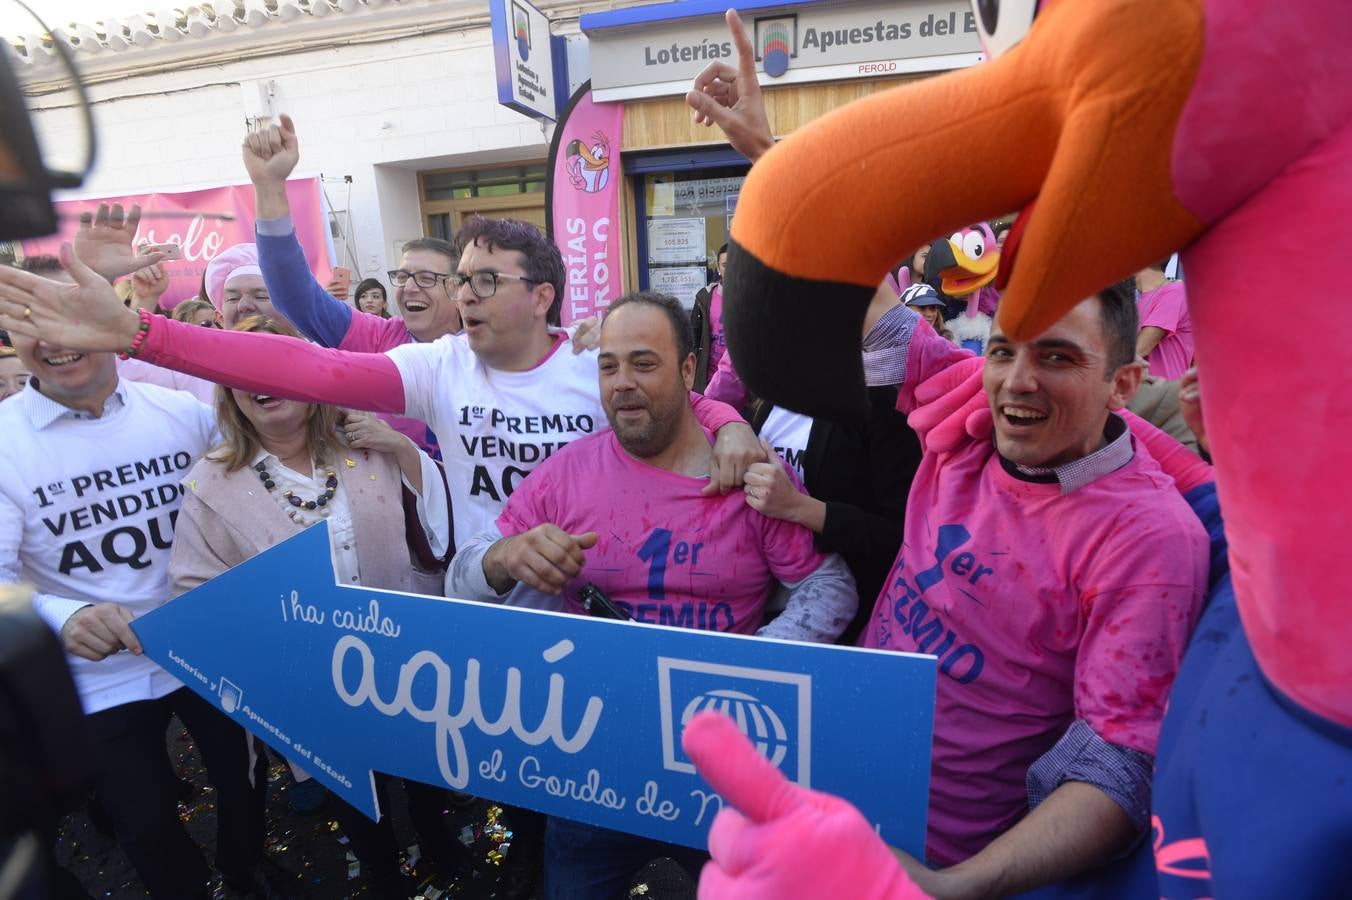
(783,840)
(951,407)
(1185,467)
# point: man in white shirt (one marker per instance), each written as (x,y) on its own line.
(89,494)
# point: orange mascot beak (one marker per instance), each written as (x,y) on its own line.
(1066,118)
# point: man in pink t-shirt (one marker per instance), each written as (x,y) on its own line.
(1165,340)
(624,510)
(1057,574)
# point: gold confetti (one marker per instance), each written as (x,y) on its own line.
(373,477)
(351,463)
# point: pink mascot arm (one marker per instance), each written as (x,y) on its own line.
(782,840)
(1187,469)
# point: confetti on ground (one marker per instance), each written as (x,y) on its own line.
(313,845)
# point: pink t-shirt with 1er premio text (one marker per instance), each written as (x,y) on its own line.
(1042,607)
(665,552)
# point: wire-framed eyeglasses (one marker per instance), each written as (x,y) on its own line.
(423,279)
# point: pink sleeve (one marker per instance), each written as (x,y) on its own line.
(367,333)
(725,386)
(713,415)
(1140,605)
(1167,308)
(927,355)
(1187,469)
(274,364)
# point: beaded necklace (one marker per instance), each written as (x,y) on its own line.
(321,502)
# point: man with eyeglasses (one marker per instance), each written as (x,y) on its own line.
(501,398)
(423,288)
(90,491)
(425,302)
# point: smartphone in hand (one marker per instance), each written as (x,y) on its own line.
(170,251)
(341,282)
(597,604)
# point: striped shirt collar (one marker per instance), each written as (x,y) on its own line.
(43,410)
(1072,476)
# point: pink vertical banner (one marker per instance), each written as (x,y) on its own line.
(582,201)
(198,234)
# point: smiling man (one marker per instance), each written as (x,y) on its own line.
(626,511)
(89,494)
(423,298)
(1056,573)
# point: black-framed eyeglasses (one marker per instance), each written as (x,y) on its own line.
(485,284)
(424,279)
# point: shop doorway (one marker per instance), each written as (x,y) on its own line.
(509,192)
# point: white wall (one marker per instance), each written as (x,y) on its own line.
(377,112)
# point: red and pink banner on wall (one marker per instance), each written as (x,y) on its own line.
(199,233)
(583,201)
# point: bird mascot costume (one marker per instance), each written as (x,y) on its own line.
(1122,131)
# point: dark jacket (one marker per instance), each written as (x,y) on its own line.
(863,473)
(701,335)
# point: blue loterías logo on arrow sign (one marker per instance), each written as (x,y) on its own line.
(571,716)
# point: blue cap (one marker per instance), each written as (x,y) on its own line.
(921,294)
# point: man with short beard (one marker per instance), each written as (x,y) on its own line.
(1057,574)
(625,511)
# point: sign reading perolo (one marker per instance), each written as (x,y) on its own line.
(572,716)
(656,50)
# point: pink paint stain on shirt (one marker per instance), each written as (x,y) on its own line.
(704,562)
(975,586)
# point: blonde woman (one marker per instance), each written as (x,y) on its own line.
(283,466)
(197,312)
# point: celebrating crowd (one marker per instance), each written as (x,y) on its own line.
(1015,508)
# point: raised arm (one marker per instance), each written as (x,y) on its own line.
(731,98)
(278,365)
(87,316)
(270,156)
(913,352)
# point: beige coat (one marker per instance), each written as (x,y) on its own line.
(1156,401)
(228,517)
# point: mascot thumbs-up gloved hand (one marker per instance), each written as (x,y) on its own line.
(782,840)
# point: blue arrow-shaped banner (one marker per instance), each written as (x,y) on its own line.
(572,716)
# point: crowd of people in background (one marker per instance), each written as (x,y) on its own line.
(220,413)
